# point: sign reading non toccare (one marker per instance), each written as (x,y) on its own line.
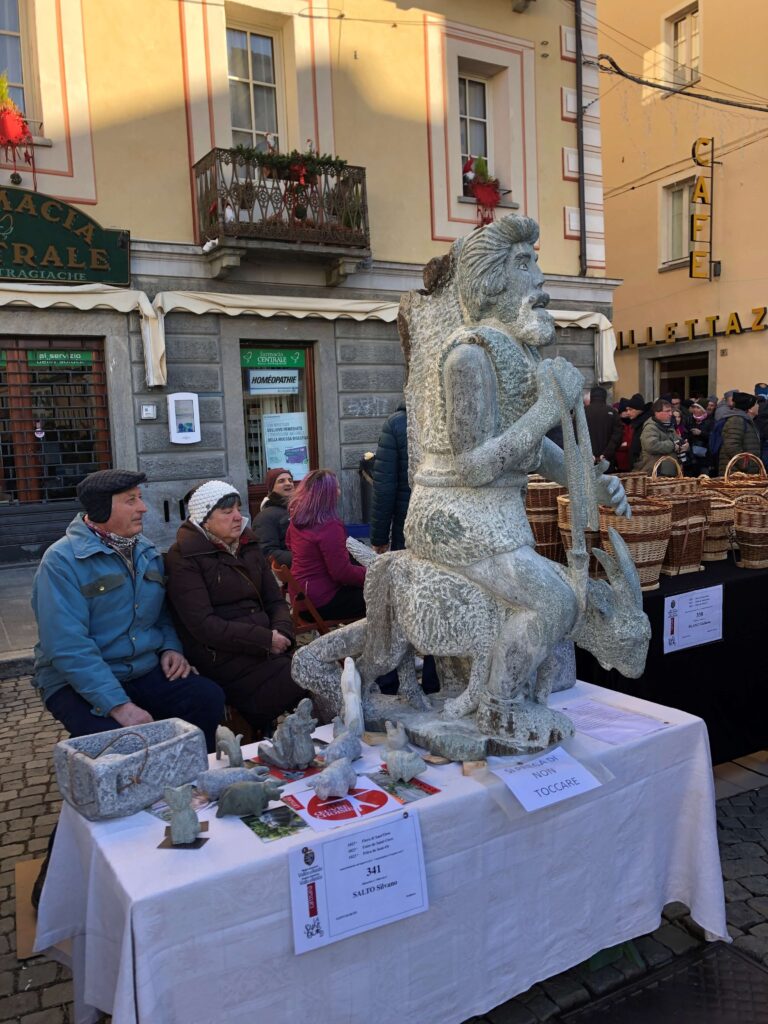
(46,241)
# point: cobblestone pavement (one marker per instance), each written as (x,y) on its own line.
(37,991)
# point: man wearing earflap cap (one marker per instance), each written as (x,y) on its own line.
(108,654)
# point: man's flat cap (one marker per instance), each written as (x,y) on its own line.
(95,490)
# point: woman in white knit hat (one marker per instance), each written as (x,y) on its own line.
(228,610)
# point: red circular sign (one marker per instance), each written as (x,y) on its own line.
(341,809)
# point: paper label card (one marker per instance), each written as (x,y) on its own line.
(365,878)
(608,723)
(692,619)
(547,779)
(366,799)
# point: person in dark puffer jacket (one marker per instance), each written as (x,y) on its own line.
(391,490)
(271,524)
(740,434)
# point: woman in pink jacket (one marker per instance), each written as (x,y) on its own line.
(316,536)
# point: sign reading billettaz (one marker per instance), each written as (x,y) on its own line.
(365,878)
(692,619)
(47,241)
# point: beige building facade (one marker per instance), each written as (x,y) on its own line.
(264,298)
(685,224)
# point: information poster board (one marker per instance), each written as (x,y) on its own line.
(286,442)
(692,619)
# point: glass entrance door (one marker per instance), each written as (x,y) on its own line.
(279,413)
(687,375)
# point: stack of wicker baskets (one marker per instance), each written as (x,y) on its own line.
(541,508)
(733,484)
(665,487)
(591,537)
(635,484)
(646,535)
(719,535)
(751,520)
(690,518)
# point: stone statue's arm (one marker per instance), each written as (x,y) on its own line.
(471,408)
(552,464)
(610,490)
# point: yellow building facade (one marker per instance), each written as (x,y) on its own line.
(150,120)
(685,225)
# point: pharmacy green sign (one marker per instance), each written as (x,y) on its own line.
(68,360)
(3,360)
(272,358)
(46,241)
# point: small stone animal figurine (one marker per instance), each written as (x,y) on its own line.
(292,746)
(403,765)
(185,827)
(396,737)
(244,798)
(229,744)
(334,781)
(343,744)
(216,780)
(350,693)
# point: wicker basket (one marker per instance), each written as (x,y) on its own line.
(646,535)
(752,531)
(591,537)
(733,484)
(541,507)
(635,484)
(719,535)
(676,486)
(686,539)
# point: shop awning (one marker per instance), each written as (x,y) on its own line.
(274,305)
(99,296)
(151,315)
(605,339)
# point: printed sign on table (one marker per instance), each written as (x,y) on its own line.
(546,780)
(692,619)
(365,878)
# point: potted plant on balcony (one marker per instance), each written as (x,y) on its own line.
(482,187)
(15,136)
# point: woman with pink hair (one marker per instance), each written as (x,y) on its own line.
(316,536)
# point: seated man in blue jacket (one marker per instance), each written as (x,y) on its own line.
(108,654)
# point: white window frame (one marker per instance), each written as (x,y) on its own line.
(680,69)
(487,121)
(29,84)
(507,64)
(280,100)
(669,259)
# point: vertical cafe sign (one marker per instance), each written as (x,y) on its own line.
(700,257)
(47,241)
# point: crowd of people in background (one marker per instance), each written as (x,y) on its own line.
(702,434)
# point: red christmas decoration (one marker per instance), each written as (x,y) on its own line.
(15,136)
(482,187)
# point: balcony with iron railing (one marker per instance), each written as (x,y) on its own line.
(305,209)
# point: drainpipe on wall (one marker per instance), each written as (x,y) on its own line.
(580,142)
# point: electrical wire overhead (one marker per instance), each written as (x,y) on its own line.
(611,67)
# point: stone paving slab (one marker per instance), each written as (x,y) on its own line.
(38,991)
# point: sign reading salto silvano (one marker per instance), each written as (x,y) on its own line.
(46,241)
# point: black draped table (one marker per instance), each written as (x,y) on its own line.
(722,682)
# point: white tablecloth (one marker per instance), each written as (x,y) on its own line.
(193,937)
